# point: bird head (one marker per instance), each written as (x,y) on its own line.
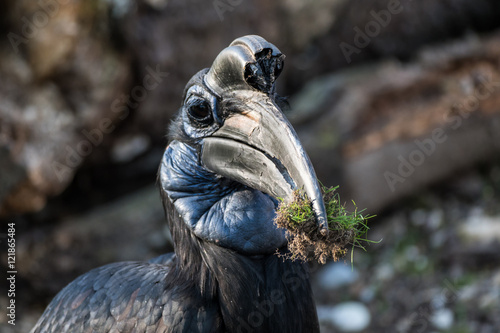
(233,153)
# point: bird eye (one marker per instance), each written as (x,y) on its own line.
(200,112)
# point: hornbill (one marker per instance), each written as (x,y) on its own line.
(230,156)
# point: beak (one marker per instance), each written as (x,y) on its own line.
(259,148)
(256,145)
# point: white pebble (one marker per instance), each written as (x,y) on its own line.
(347,317)
(442,319)
(336,275)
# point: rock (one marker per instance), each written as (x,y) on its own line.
(335,275)
(496,280)
(442,319)
(347,317)
(384,272)
(490,300)
(480,229)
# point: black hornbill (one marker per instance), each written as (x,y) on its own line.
(231,154)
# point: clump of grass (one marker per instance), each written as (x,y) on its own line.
(306,243)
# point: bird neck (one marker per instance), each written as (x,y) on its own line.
(262,293)
(251,293)
(217,209)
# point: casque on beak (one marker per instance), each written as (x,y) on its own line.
(257,146)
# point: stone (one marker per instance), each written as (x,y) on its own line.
(442,319)
(347,316)
(335,275)
(480,229)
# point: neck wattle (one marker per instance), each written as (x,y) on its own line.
(217,209)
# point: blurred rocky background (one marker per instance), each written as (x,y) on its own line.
(398,102)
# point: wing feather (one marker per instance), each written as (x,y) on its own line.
(120,297)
